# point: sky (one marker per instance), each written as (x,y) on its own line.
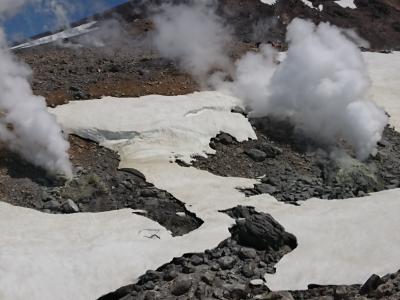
(35,18)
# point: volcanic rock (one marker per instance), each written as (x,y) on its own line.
(371,284)
(181,285)
(261,231)
(256,155)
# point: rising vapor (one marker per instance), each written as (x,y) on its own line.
(25,125)
(321,86)
(193,35)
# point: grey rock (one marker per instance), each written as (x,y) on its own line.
(47,197)
(261,231)
(265,188)
(149,193)
(227,262)
(256,155)
(181,285)
(169,275)
(225,139)
(196,260)
(149,285)
(248,270)
(371,284)
(70,207)
(257,282)
(208,277)
(52,205)
(247,253)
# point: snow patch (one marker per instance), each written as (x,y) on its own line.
(69,33)
(166,127)
(384,72)
(346,4)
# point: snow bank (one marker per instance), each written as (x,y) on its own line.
(157,128)
(384,72)
(340,241)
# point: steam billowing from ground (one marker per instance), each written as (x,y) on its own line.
(321,86)
(25,125)
(194,36)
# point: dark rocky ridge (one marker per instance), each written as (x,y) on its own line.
(98,186)
(294,168)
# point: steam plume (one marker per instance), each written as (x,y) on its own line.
(194,36)
(321,86)
(25,125)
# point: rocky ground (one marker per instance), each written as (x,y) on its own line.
(292,168)
(97,186)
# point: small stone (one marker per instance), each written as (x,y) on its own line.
(70,207)
(225,139)
(148,193)
(196,260)
(265,188)
(208,277)
(215,267)
(169,275)
(256,155)
(149,285)
(341,293)
(256,282)
(247,253)
(248,270)
(227,262)
(52,205)
(46,197)
(181,285)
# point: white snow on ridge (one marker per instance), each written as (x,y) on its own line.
(346,3)
(68,33)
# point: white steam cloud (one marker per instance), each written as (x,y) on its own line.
(321,86)
(25,125)
(194,36)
